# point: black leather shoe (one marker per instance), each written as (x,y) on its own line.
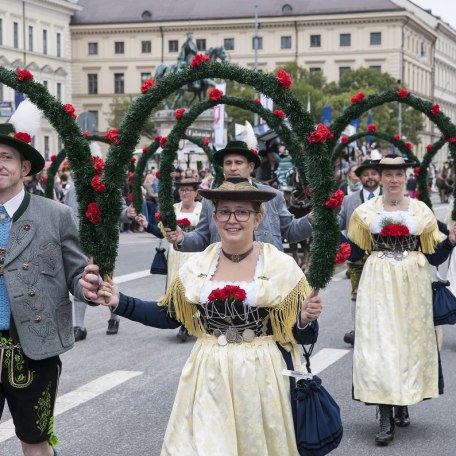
(79,333)
(349,338)
(401,416)
(386,433)
(113,327)
(183,334)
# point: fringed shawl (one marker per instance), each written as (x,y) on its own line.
(359,230)
(282,288)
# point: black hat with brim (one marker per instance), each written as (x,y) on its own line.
(237,189)
(393,162)
(366,164)
(188,182)
(27,151)
(238,148)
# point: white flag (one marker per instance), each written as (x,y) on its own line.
(219,120)
(308,103)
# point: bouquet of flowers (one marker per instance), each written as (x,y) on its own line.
(185,224)
(393,228)
(229,293)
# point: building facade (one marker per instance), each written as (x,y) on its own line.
(34,34)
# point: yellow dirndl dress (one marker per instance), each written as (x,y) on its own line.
(232,399)
(395,358)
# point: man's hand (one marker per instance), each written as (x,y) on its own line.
(141,219)
(310,217)
(174,237)
(131,212)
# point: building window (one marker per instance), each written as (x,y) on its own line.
(201,44)
(47,147)
(30,38)
(343,70)
(315,41)
(59,44)
(46,84)
(258,41)
(16,35)
(1,31)
(119,83)
(93,48)
(376,38)
(146,47)
(376,68)
(345,39)
(173,46)
(119,47)
(228,44)
(45,41)
(59,91)
(92,83)
(314,70)
(95,117)
(285,42)
(146,76)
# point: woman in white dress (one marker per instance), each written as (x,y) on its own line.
(232,398)
(395,358)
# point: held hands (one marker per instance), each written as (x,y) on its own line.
(141,219)
(310,309)
(174,237)
(105,293)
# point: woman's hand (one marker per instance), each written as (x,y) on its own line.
(141,219)
(310,309)
(105,293)
(174,237)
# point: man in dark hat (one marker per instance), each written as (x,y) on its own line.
(240,161)
(370,180)
(40,262)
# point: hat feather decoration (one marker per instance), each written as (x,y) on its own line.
(26,118)
(249,137)
(95,149)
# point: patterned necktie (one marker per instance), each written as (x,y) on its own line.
(371,195)
(5,225)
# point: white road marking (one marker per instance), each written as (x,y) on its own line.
(325,357)
(132,276)
(78,396)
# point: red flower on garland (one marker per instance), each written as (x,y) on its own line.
(343,253)
(452,140)
(184,223)
(52,157)
(98,164)
(229,292)
(133,160)
(335,200)
(145,149)
(99,187)
(402,93)
(130,197)
(163,141)
(147,84)
(112,136)
(93,213)
(409,145)
(157,138)
(179,113)
(284,79)
(257,100)
(199,59)
(69,109)
(435,109)
(394,230)
(86,134)
(397,137)
(157,216)
(429,147)
(215,94)
(344,140)
(372,127)
(23,137)
(357,97)
(131,175)
(307,191)
(320,135)
(279,113)
(206,141)
(416,171)
(24,75)
(44,180)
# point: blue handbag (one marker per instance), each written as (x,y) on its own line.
(159,263)
(443,303)
(318,423)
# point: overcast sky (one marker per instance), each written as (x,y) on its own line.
(446,9)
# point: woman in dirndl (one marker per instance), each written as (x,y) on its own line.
(396,359)
(249,305)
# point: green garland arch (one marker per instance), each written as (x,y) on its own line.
(51,172)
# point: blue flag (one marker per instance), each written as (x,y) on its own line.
(327,111)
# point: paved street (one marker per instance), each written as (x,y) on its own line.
(116,392)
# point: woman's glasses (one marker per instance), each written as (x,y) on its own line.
(241,215)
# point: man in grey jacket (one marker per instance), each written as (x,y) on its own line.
(370,180)
(240,161)
(40,262)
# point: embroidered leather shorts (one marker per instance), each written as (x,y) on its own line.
(30,389)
